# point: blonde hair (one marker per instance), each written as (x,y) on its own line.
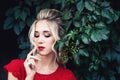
(53,18)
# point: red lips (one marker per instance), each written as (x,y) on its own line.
(41,48)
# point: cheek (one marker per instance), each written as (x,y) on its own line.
(50,42)
(35,41)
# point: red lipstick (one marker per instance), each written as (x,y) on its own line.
(41,48)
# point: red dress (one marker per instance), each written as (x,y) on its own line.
(16,67)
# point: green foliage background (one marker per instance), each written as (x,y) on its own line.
(92,39)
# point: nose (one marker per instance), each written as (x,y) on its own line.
(40,40)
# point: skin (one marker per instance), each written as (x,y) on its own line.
(44,61)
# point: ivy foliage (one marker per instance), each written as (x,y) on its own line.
(91,40)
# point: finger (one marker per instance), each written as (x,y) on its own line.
(32,66)
(32,57)
(31,52)
(30,63)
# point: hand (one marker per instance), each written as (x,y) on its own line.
(30,65)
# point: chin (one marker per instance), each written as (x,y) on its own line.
(44,54)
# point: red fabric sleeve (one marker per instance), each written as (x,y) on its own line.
(66,74)
(14,67)
(70,75)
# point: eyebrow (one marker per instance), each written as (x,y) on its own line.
(46,31)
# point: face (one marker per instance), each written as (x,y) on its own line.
(44,39)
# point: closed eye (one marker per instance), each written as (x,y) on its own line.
(36,34)
(47,34)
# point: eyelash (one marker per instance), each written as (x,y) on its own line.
(44,35)
(47,36)
(36,36)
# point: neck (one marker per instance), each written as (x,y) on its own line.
(47,60)
(47,64)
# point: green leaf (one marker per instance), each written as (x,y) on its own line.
(17,12)
(59,45)
(112,78)
(102,78)
(23,54)
(105,4)
(24,46)
(67,43)
(23,43)
(16,29)
(88,29)
(85,39)
(91,66)
(117,47)
(63,2)
(28,2)
(97,12)
(76,24)
(105,13)
(103,64)
(57,1)
(100,25)
(19,27)
(77,42)
(83,53)
(26,10)
(88,6)
(76,59)
(29,20)
(115,17)
(8,23)
(77,15)
(67,25)
(108,55)
(38,8)
(80,6)
(84,21)
(117,12)
(71,35)
(67,15)
(112,55)
(22,25)
(23,15)
(94,1)
(98,35)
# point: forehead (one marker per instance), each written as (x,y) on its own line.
(42,25)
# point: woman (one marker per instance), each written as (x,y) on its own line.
(42,63)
